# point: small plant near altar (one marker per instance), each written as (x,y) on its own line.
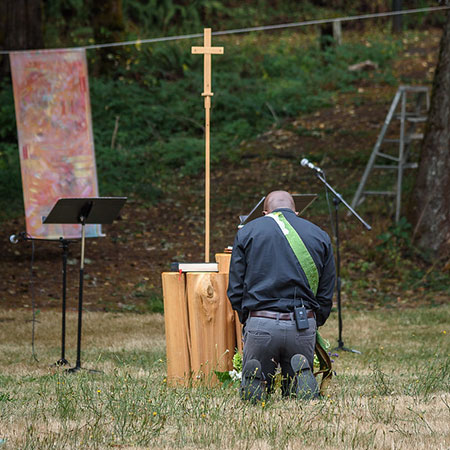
(235,375)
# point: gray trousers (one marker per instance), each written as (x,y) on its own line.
(274,341)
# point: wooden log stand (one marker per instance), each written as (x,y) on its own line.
(202,330)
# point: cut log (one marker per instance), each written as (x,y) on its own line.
(223,260)
(212,330)
(177,328)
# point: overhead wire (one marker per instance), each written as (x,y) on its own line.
(249,29)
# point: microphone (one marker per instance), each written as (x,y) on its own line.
(305,163)
(15,238)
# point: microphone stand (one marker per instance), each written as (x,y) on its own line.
(64,244)
(337,200)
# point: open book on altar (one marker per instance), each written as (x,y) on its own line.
(194,267)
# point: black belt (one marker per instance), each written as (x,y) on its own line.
(277,315)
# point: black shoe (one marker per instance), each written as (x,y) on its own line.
(304,384)
(252,381)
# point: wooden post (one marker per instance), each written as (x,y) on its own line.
(337,32)
(207,50)
(238,331)
(211,325)
(224,259)
(178,345)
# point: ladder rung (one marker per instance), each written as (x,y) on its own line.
(411,165)
(381,166)
(414,136)
(405,166)
(409,137)
(384,155)
(417,119)
(411,117)
(379,193)
(413,88)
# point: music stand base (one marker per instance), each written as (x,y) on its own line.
(346,349)
(78,368)
(61,362)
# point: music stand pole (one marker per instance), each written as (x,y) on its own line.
(65,246)
(83,215)
(80,296)
(337,200)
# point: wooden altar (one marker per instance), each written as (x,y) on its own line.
(202,331)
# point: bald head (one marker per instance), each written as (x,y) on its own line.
(278,199)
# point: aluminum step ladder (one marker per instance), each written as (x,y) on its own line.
(411,112)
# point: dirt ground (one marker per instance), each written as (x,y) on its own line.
(123,270)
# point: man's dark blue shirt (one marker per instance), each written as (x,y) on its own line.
(265,274)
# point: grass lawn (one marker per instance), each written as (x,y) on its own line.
(396,394)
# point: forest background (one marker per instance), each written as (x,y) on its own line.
(279,96)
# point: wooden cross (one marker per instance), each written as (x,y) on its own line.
(207,51)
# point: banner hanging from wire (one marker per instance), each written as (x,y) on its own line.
(56,146)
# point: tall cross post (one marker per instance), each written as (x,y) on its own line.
(207,50)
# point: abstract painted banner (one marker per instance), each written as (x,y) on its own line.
(53,113)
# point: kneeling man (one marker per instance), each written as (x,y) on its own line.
(282,277)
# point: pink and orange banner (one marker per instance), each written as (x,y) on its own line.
(53,113)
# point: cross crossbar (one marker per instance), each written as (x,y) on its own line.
(207,50)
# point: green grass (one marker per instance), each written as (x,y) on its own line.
(395,394)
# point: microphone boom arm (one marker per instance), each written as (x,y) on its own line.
(340,198)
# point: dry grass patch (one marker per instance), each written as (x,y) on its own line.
(394,395)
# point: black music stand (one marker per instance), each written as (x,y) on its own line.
(302,201)
(99,210)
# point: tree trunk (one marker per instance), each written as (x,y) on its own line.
(397,21)
(430,210)
(108,25)
(107,19)
(20,27)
